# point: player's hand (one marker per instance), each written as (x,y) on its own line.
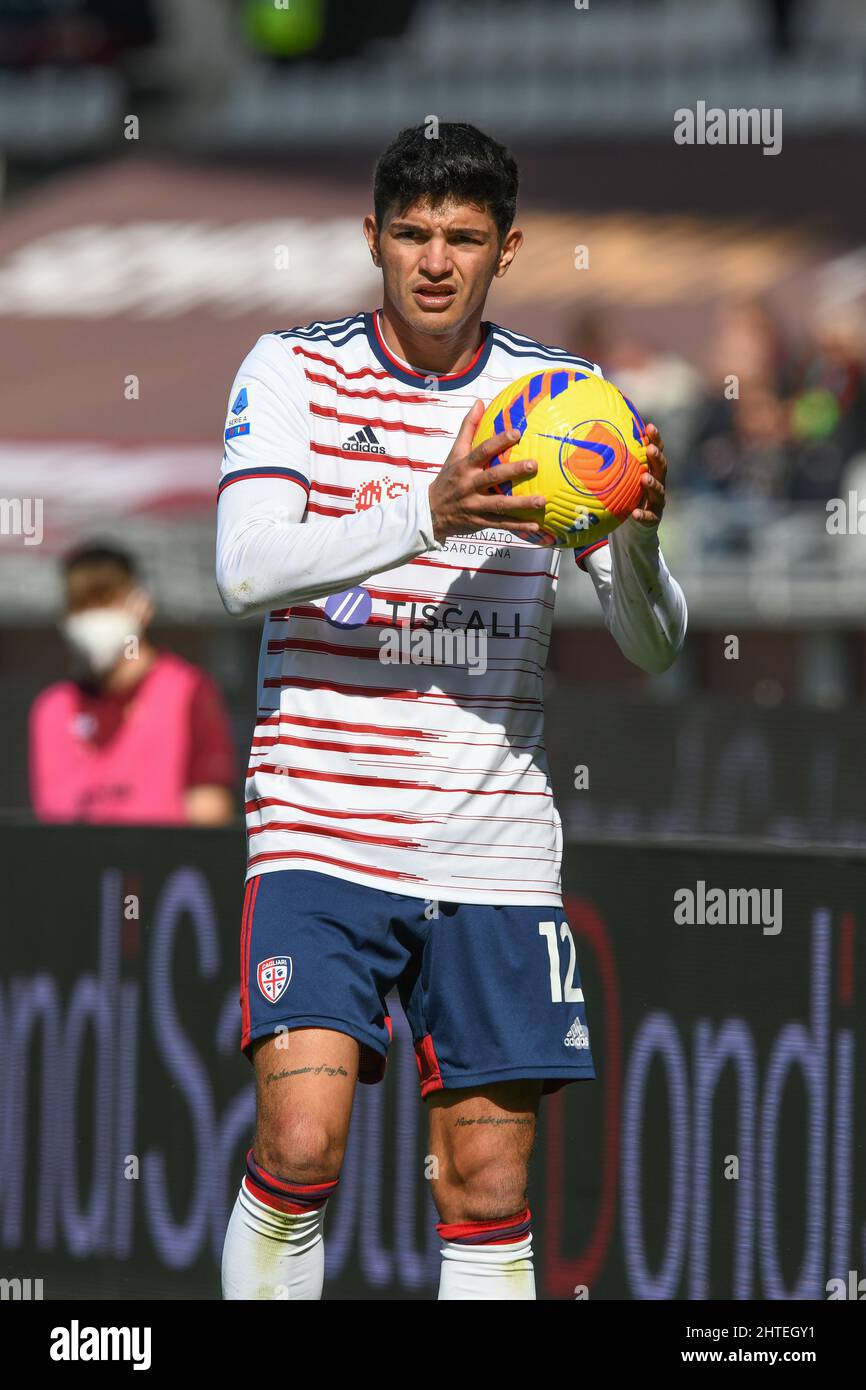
(461,496)
(652,502)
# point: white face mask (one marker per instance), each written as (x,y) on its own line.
(98,636)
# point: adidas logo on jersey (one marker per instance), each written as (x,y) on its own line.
(577,1035)
(364,442)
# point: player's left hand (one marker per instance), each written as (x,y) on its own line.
(652,503)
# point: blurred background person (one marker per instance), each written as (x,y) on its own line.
(828,408)
(740,454)
(137,734)
(667,385)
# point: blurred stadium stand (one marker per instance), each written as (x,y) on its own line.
(244,74)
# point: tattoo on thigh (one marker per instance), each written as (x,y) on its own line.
(303,1071)
(495,1120)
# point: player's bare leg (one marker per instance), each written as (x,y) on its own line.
(305,1086)
(482,1140)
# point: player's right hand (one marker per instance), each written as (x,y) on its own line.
(462,499)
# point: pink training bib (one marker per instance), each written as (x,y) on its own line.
(108,758)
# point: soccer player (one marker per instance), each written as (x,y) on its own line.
(401,827)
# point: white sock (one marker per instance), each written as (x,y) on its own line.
(272,1254)
(487,1271)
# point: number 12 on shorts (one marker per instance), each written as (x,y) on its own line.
(561,993)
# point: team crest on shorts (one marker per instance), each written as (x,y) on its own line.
(273,976)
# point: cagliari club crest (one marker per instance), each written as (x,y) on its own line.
(273,976)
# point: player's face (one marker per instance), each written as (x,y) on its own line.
(438,262)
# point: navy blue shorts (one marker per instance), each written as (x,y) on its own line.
(490,993)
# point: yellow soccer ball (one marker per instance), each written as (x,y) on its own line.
(590,446)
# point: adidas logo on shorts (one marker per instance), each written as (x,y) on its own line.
(577,1035)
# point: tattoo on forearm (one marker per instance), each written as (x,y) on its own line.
(495,1120)
(303,1071)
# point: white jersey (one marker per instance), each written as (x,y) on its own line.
(399,741)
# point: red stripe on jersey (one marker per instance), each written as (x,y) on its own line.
(306,644)
(348,779)
(309,613)
(440,817)
(375,422)
(313,722)
(541,853)
(396,817)
(327,511)
(332,362)
(372,394)
(438,770)
(392,817)
(270,855)
(520,743)
(332,490)
(403,693)
(299,610)
(260,744)
(341,832)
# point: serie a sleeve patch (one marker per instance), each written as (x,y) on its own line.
(237,420)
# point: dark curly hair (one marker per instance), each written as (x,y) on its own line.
(459,162)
